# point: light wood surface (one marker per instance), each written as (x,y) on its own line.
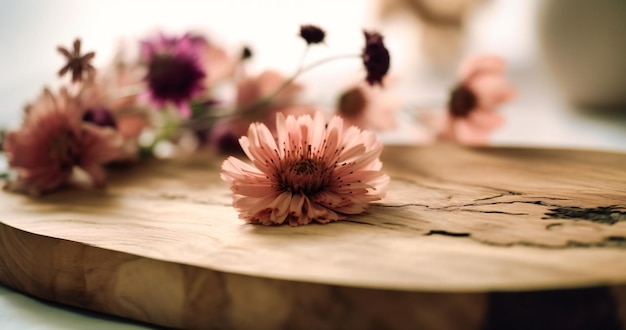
(163,245)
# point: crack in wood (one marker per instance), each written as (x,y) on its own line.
(508,193)
(447,233)
(485,211)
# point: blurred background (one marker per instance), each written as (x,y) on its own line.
(565,57)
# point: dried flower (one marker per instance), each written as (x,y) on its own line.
(312,34)
(175,70)
(53,141)
(311,172)
(375,58)
(472,108)
(79,65)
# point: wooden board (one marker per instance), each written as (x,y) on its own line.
(486,235)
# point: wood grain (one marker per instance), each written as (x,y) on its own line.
(163,245)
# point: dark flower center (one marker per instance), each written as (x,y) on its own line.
(64,149)
(462,101)
(304,166)
(304,175)
(375,58)
(100,116)
(174,78)
(352,103)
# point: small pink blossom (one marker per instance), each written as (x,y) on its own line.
(253,89)
(473,108)
(53,141)
(253,104)
(310,172)
(368,107)
(109,101)
(219,64)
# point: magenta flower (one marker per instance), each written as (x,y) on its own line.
(472,108)
(175,70)
(53,141)
(311,172)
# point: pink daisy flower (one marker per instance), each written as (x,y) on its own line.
(472,109)
(176,72)
(53,141)
(311,172)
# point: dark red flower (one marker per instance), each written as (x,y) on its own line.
(312,34)
(375,58)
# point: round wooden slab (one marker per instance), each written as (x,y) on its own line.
(472,233)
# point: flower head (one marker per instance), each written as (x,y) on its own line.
(312,34)
(311,172)
(368,107)
(53,141)
(175,70)
(473,104)
(78,64)
(375,58)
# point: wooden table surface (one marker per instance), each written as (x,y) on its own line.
(467,237)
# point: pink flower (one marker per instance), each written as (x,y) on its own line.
(472,109)
(53,141)
(368,107)
(110,100)
(253,89)
(217,62)
(252,106)
(312,171)
(176,72)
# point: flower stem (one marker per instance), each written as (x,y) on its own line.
(266,100)
(303,69)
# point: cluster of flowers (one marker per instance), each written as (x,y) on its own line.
(304,168)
